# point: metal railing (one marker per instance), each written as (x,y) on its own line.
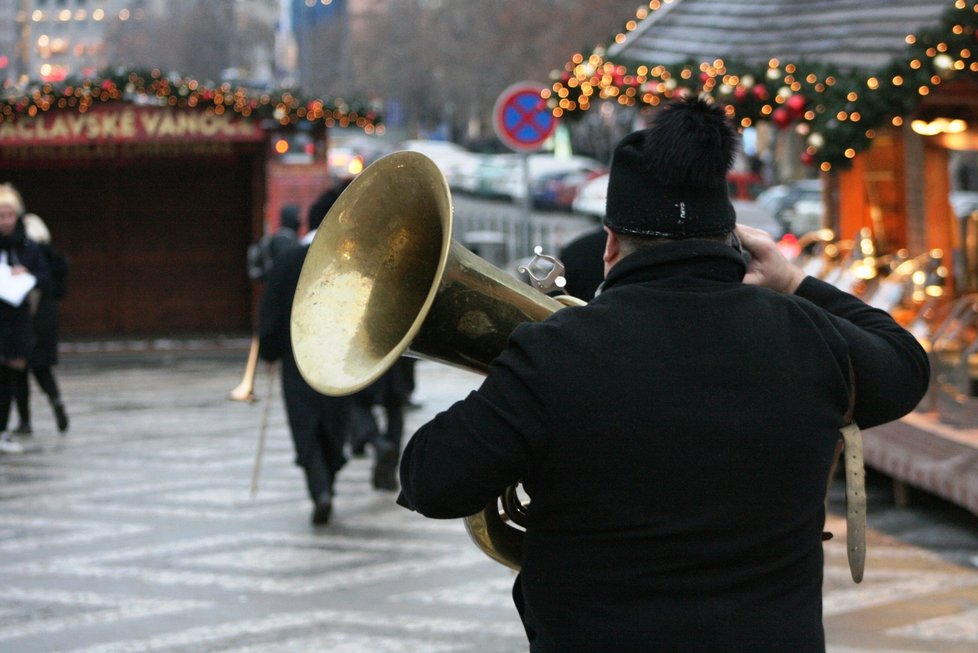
(497,231)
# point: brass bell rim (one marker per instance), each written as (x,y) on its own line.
(430,177)
(438,183)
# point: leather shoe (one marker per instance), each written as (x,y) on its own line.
(323,509)
(385,467)
(60,415)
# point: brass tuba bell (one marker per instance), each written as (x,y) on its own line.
(383,278)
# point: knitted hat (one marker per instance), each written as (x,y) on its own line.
(670,180)
(11,198)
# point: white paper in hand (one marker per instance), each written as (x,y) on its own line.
(14,287)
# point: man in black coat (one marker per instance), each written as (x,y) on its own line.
(584,267)
(318,423)
(675,434)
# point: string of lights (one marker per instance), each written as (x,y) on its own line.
(285,107)
(838,111)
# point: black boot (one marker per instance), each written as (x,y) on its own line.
(60,415)
(385,466)
(323,509)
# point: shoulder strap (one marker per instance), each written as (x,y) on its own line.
(855,469)
(851,443)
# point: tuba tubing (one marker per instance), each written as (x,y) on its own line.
(383,279)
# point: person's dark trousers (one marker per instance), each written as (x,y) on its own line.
(364,429)
(45,379)
(319,480)
(394,410)
(6,394)
(22,397)
(388,446)
(319,477)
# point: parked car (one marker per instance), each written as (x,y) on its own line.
(557,190)
(592,197)
(346,157)
(796,206)
(744,185)
(463,172)
(445,154)
(512,182)
(490,171)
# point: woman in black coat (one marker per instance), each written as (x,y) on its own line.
(44,355)
(23,257)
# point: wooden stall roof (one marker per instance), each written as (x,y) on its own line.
(847,33)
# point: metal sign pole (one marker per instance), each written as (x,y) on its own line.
(523,122)
(526,246)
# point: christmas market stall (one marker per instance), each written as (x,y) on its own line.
(879,100)
(154,185)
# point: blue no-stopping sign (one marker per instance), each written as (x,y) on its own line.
(521,117)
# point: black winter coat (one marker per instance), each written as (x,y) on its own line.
(318,423)
(16,329)
(47,316)
(675,436)
(584,264)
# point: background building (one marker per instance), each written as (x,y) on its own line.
(52,40)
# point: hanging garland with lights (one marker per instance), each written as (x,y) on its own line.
(838,111)
(285,107)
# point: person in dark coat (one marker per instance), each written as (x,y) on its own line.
(391,392)
(16,335)
(676,433)
(318,423)
(44,355)
(584,264)
(262,255)
(287,234)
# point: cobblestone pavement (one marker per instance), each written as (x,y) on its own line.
(137,532)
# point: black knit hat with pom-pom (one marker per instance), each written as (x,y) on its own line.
(670,180)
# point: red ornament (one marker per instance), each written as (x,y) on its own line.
(781,117)
(760,92)
(740,93)
(807,158)
(796,104)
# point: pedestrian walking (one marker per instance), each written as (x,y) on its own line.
(22,267)
(262,255)
(45,322)
(391,392)
(318,423)
(676,433)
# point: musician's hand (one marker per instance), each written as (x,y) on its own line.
(768,267)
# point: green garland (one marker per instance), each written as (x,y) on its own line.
(286,107)
(839,111)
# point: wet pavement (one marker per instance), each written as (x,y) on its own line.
(138,531)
